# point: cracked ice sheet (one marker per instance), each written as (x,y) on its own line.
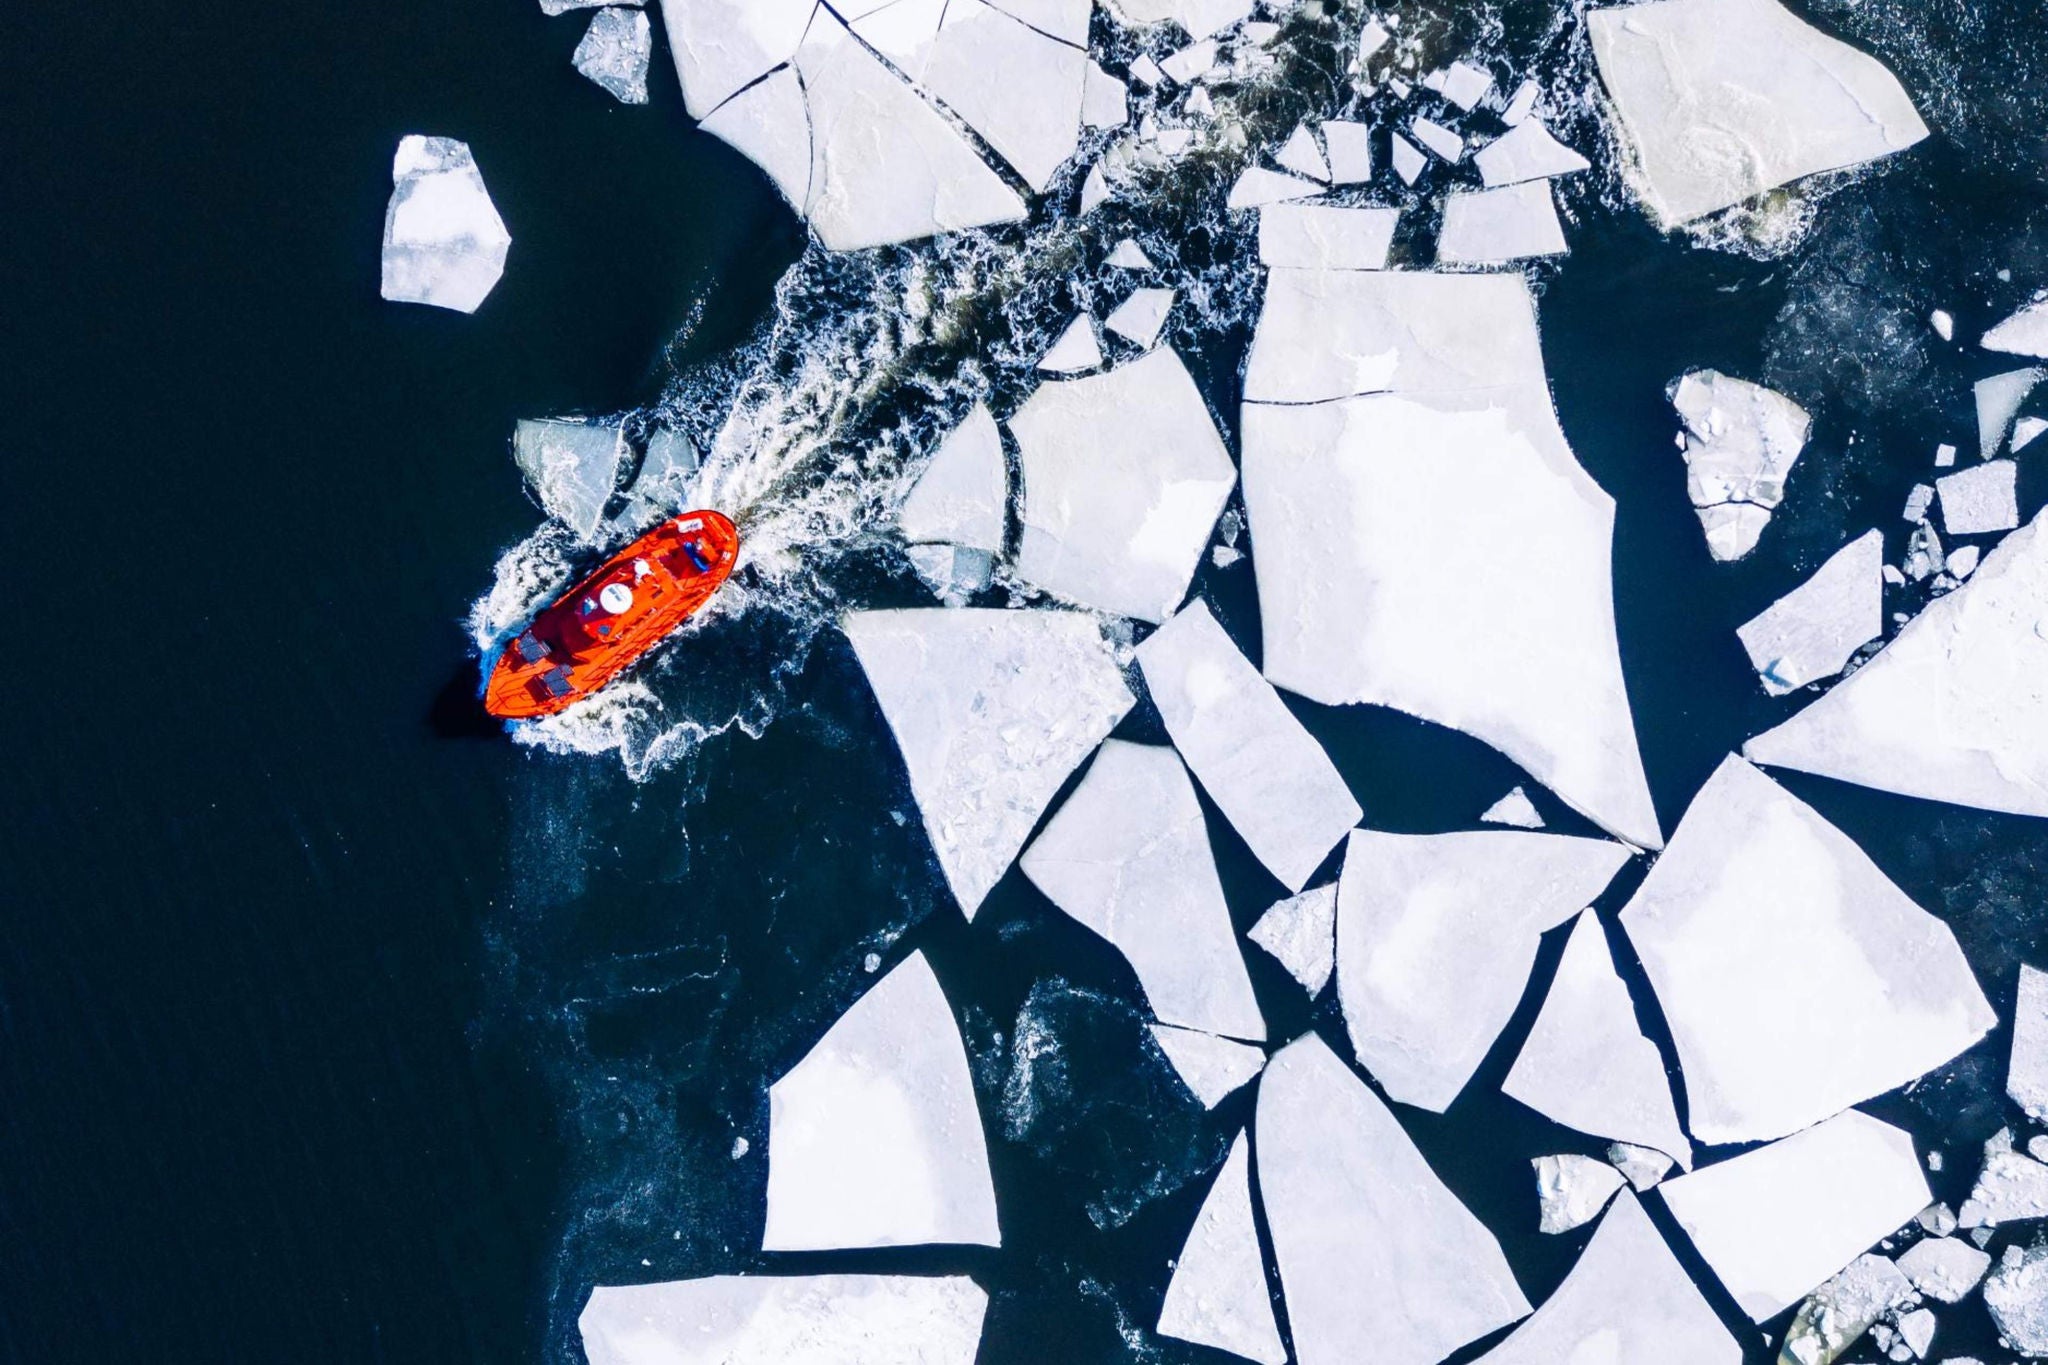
(1274,782)
(1379,1260)
(1128,856)
(1740,443)
(1416,547)
(1218,1295)
(1721,100)
(786,1320)
(1796,979)
(769,125)
(991,710)
(573,467)
(1013,85)
(1212,1068)
(720,46)
(1955,708)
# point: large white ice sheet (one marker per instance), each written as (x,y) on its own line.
(1017,88)
(1326,236)
(1217,1296)
(1810,632)
(786,1320)
(444,243)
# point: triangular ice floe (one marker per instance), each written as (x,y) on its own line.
(1301,934)
(1140,317)
(1211,1067)
(1259,186)
(1218,1296)
(1810,632)
(962,495)
(1526,152)
(1301,155)
(1515,809)
(2024,333)
(1074,349)
(786,1320)
(1571,1190)
(1128,255)
(1998,402)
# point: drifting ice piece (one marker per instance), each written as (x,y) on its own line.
(1521,104)
(1326,237)
(573,467)
(615,51)
(1217,1296)
(721,46)
(1462,84)
(1643,1167)
(1810,632)
(1439,139)
(1258,187)
(1190,62)
(1998,401)
(1626,1300)
(1128,255)
(1436,934)
(1418,545)
(1724,99)
(2012,1187)
(444,243)
(1740,442)
(1350,146)
(2026,1073)
(1140,317)
(2024,333)
(1379,1260)
(1094,190)
(961,496)
(1021,90)
(1371,39)
(954,573)
(1493,227)
(1796,978)
(1076,348)
(1953,709)
(1301,155)
(1775,1222)
(1571,1190)
(874,1139)
(1408,159)
(1128,856)
(1982,499)
(1514,809)
(1105,100)
(1844,1308)
(551,8)
(786,1320)
(1124,475)
(2026,430)
(1200,18)
(1273,781)
(1301,934)
(992,710)
(1587,1064)
(1944,1268)
(1526,152)
(1211,1067)
(2017,1295)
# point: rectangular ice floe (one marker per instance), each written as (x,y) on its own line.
(786,1320)
(1980,499)
(1493,227)
(1326,236)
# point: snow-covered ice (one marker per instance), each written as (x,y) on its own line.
(1124,477)
(1274,782)
(1775,1222)
(2026,431)
(991,710)
(1218,1296)
(1493,227)
(786,1320)
(573,468)
(552,8)
(1521,104)
(1189,62)
(1128,856)
(1462,83)
(1350,151)
(2012,1187)
(1301,155)
(961,496)
(1258,187)
(1981,498)
(1371,39)
(1919,502)
(1378,1259)
(1094,190)
(1301,934)
(1128,255)
(1955,708)
(1074,350)
(874,1139)
(1796,978)
(614,53)
(1571,1190)
(1438,139)
(444,243)
(1141,317)
(768,124)
(1999,397)
(1962,562)
(1211,1067)
(1721,100)
(1020,89)
(1436,934)
(1326,236)
(2026,1073)
(2024,333)
(1105,100)
(1843,1308)
(1587,1063)
(2017,1295)
(1740,443)
(1944,1268)
(1515,810)
(1526,152)
(1811,632)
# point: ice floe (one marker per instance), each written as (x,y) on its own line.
(874,1139)
(1257,187)
(767,124)
(1200,18)
(1433,534)
(1626,1300)
(1409,161)
(1515,810)
(1740,443)
(1432,135)
(2026,431)
(1326,236)
(1811,632)
(1301,155)
(1643,1167)
(1094,190)
(1018,88)
(961,496)
(1462,83)
(444,243)
(2012,1187)
(1141,317)
(551,8)
(1211,1067)
(1998,401)
(2017,1295)
(573,468)
(1571,1190)
(1128,856)
(1526,152)
(1982,498)
(1274,782)
(2024,333)
(723,46)
(1075,349)
(2026,1074)
(1797,980)
(1436,934)
(1128,255)
(1955,708)
(1587,1063)
(1301,934)
(1944,1268)
(1775,1222)
(991,710)
(1218,1295)
(786,1320)
(1190,62)
(1350,151)
(1105,100)
(614,53)
(1521,104)
(1721,100)
(1379,1261)
(1493,227)
(1841,1310)
(1124,476)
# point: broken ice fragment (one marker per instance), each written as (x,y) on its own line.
(1776,1221)
(1021,90)
(444,243)
(1462,84)
(1142,316)
(1811,632)
(1493,227)
(1146,72)
(1439,139)
(1218,1295)
(615,51)
(1919,501)
(1923,553)
(1721,100)
(1982,498)
(954,573)
(1301,155)
(573,468)
(1105,100)
(874,1139)
(552,8)
(1128,856)
(767,123)
(1526,152)
(2026,1074)
(1513,809)
(1350,148)
(1378,1259)
(1075,349)
(1408,159)
(1326,236)
(1943,323)
(992,710)
(1211,1067)
(1642,1167)
(1128,255)
(961,496)
(1521,104)
(1273,781)
(1571,1190)
(2024,333)
(722,46)
(1301,934)
(1797,980)
(1998,401)
(1740,443)
(1189,62)
(1944,1268)
(2017,1295)
(1066,20)
(1259,186)
(1371,39)
(786,1320)
(1953,708)
(2026,431)
(2012,1187)
(1094,190)
(1944,456)
(663,485)
(1436,934)
(1200,18)
(1843,1309)
(1962,562)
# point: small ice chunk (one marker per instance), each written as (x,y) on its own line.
(1269,776)
(1944,1268)
(2024,333)
(1379,1260)
(1943,323)
(2026,431)
(1740,442)
(1587,1063)
(1643,1167)
(573,468)
(1513,809)
(1076,348)
(1439,139)
(1371,39)
(1796,978)
(962,495)
(1198,105)
(552,8)
(1962,562)
(1944,456)
(1998,402)
(1521,104)
(1189,62)
(1105,100)
(1259,32)
(1982,498)
(1350,149)
(2012,1187)
(1953,708)
(1626,1301)
(954,573)
(1409,162)
(1301,934)
(1463,84)
(1146,72)
(991,710)
(1493,227)
(722,46)
(1217,1296)
(1400,88)
(1436,934)
(786,1320)
(1094,190)
(1301,155)
(1811,632)
(1200,18)
(1844,1308)
(1923,553)
(444,243)
(1571,1190)
(1919,501)
(1326,236)
(1128,856)
(1142,316)
(1776,1221)
(1722,100)
(874,1139)
(2026,1072)
(1259,186)
(1526,152)
(614,53)
(1128,255)
(2017,1295)
(1211,1067)
(663,485)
